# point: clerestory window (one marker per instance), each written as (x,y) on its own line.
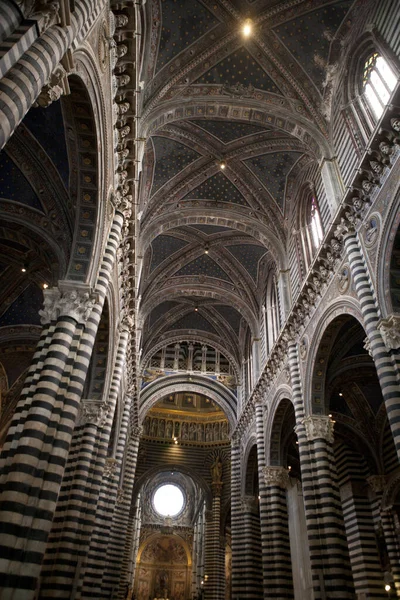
(378,82)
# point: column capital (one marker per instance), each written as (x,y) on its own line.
(94,412)
(390,331)
(319,427)
(377,483)
(75,303)
(276,476)
(110,467)
(249,504)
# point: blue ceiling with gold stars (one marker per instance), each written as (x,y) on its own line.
(231,315)
(203,265)
(25,309)
(171,158)
(218,188)
(193,320)
(249,256)
(183,22)
(160,310)
(308,37)
(229,131)
(15,186)
(240,67)
(163,247)
(272,170)
(211,229)
(47,125)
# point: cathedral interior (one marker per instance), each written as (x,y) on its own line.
(199,299)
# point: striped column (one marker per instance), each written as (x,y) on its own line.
(35,457)
(278,580)
(330,563)
(107,497)
(359,523)
(22,83)
(392,545)
(237,525)
(386,518)
(76,507)
(131,544)
(122,513)
(383,362)
(214,573)
(251,558)
(259,411)
(329,555)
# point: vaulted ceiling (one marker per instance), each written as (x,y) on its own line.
(209,237)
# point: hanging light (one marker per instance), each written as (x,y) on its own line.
(222,165)
(247,28)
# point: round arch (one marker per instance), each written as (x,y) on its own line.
(253,111)
(197,384)
(280,406)
(391,231)
(239,219)
(86,122)
(222,294)
(248,462)
(156,535)
(340,307)
(174,339)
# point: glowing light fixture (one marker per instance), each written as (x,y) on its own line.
(222,165)
(387,587)
(247,28)
(45,286)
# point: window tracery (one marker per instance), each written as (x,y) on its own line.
(378,83)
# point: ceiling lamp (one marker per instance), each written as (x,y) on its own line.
(222,165)
(206,249)
(247,28)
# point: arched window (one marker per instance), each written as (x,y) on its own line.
(378,82)
(272,321)
(372,76)
(310,230)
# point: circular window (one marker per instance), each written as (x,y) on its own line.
(168,500)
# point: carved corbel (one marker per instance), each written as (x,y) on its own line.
(56,87)
(390,331)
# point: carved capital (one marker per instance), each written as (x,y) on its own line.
(249,504)
(377,483)
(276,476)
(319,427)
(120,496)
(94,412)
(110,468)
(76,304)
(390,331)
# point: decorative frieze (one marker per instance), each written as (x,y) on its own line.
(276,476)
(319,427)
